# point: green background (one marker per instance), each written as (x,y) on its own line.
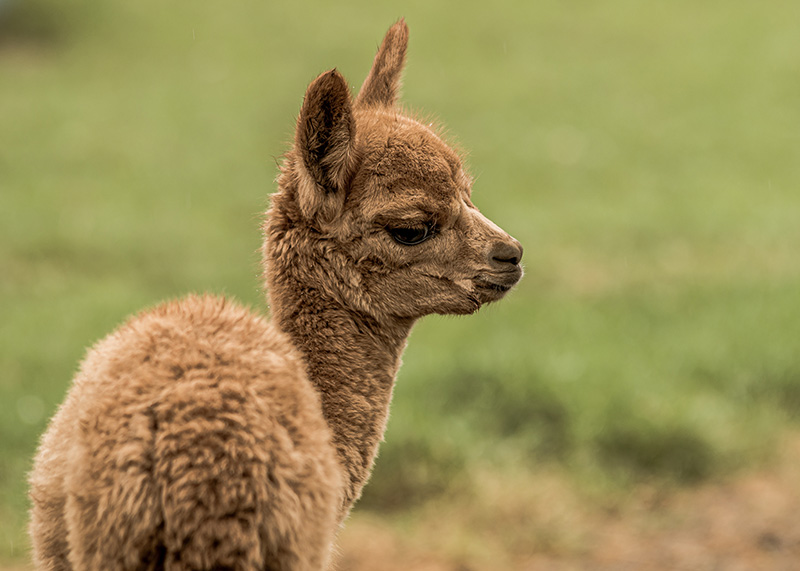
(645,154)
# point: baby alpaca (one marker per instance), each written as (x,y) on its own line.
(199,436)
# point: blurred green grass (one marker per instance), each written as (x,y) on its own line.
(645,156)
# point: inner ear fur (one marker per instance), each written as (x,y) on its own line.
(324,144)
(383,82)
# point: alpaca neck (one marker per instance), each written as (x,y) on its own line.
(352,360)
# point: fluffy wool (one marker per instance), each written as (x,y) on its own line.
(199,436)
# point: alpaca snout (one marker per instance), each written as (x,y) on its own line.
(505,255)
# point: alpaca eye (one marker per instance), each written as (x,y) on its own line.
(411,236)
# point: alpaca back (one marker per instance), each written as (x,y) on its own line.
(190,439)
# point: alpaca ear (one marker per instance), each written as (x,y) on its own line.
(324,143)
(383,81)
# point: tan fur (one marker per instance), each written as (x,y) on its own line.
(199,436)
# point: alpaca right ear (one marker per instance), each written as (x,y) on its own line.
(324,143)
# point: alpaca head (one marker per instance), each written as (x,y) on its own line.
(374,209)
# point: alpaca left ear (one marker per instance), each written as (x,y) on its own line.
(324,144)
(383,82)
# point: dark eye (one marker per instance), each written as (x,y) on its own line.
(411,236)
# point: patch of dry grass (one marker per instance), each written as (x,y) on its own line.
(541,522)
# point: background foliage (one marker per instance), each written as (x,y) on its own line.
(644,154)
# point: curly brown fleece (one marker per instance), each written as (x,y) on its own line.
(199,436)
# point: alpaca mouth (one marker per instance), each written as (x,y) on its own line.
(502,288)
(493,286)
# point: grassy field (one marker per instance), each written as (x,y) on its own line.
(646,155)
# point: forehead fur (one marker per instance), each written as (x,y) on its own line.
(406,157)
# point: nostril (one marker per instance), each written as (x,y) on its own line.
(506,253)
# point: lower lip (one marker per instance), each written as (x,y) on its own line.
(495,287)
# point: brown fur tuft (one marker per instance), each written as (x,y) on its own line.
(199,436)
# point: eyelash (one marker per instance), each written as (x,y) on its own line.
(412,236)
